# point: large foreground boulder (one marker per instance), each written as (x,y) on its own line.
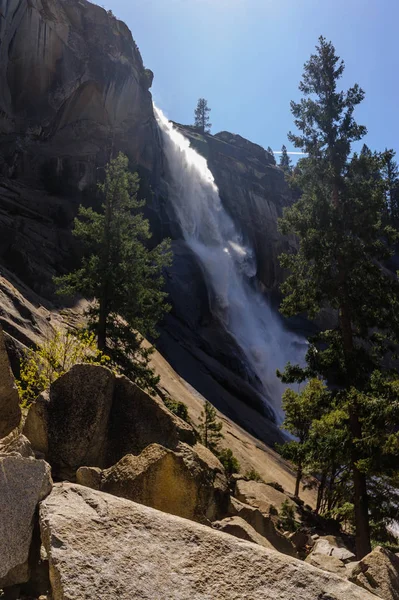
(187,483)
(24,482)
(100,546)
(92,417)
(378,572)
(10,412)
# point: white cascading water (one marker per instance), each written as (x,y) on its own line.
(228,265)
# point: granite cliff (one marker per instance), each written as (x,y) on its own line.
(74,89)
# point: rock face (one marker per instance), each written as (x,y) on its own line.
(73,87)
(242,530)
(93,418)
(263,524)
(378,572)
(260,495)
(16,444)
(72,84)
(24,482)
(332,546)
(179,483)
(104,547)
(10,413)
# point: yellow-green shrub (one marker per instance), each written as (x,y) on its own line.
(61,350)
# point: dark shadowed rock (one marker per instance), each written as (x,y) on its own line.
(93,418)
(24,482)
(10,412)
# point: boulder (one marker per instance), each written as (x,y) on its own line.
(261,495)
(263,524)
(301,539)
(241,529)
(378,572)
(327,563)
(10,412)
(73,420)
(93,418)
(24,482)
(100,546)
(17,444)
(333,546)
(180,483)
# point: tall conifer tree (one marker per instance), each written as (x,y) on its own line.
(201,113)
(343,242)
(120,273)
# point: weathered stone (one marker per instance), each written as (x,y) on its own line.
(10,412)
(73,420)
(24,482)
(327,563)
(181,484)
(93,418)
(378,572)
(138,420)
(104,547)
(301,539)
(261,495)
(263,524)
(89,477)
(333,546)
(241,529)
(16,443)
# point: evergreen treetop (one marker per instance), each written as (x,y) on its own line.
(201,113)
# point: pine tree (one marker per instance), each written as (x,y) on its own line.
(210,428)
(301,409)
(390,175)
(201,113)
(120,274)
(338,221)
(285,161)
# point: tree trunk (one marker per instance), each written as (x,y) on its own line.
(320,491)
(102,326)
(362,520)
(298,480)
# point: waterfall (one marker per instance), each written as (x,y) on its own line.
(229,266)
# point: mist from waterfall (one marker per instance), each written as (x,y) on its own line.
(229,266)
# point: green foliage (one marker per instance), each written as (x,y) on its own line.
(121,274)
(344,238)
(177,408)
(210,428)
(273,510)
(285,162)
(253,475)
(390,177)
(287,517)
(229,462)
(201,114)
(63,349)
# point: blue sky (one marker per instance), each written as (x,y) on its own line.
(246,57)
